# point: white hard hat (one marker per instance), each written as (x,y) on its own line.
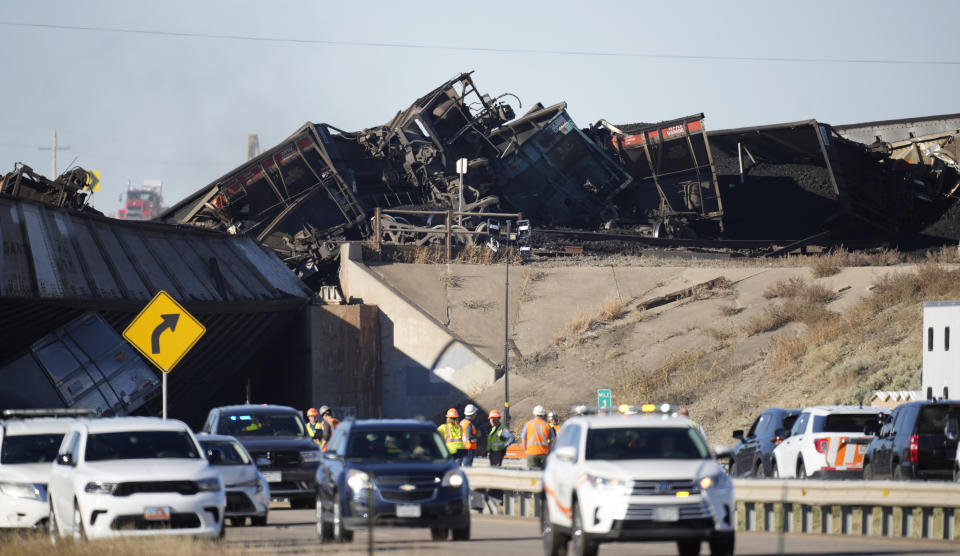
(470,409)
(539,411)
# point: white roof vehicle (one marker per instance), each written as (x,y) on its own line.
(134,476)
(29,440)
(826,441)
(248,493)
(646,477)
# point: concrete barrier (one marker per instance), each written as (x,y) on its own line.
(424,365)
(912,509)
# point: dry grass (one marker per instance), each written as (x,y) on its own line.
(612,309)
(435,254)
(36,544)
(530,277)
(803,302)
(680,379)
(476,303)
(875,345)
(729,310)
(450,280)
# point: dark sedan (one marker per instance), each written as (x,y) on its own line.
(751,456)
(397,472)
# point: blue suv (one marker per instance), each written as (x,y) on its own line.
(398,470)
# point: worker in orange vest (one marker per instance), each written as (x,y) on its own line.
(327,427)
(469,435)
(537,438)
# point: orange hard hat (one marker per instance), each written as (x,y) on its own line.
(452,413)
(493,414)
(312,411)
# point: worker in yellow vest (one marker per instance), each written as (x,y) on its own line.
(313,428)
(554,421)
(452,435)
(469,432)
(498,439)
(537,438)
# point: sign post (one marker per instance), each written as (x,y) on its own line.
(164,332)
(604,398)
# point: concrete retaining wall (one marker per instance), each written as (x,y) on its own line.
(425,367)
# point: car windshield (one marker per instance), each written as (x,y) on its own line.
(140,445)
(30,448)
(646,443)
(230,452)
(262,424)
(843,422)
(396,446)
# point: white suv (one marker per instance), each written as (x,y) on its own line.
(647,477)
(134,476)
(29,440)
(826,441)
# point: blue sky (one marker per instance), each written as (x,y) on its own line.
(179,107)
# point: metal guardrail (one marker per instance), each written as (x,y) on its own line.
(912,509)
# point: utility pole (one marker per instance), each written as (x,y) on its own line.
(55,148)
(506,338)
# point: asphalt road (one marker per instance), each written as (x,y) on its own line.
(294,532)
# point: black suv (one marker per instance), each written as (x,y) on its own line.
(751,456)
(278,434)
(918,440)
(398,470)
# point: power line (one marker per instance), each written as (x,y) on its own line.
(480,48)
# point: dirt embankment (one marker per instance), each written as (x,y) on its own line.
(779,337)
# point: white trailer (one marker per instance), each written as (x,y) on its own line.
(941,353)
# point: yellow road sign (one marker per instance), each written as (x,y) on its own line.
(93,180)
(164,331)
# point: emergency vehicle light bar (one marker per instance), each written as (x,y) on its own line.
(28,413)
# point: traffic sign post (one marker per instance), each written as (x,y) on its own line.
(164,332)
(604,398)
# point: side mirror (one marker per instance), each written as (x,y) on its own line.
(567,453)
(214,456)
(722,451)
(331,455)
(263,462)
(952,429)
(66,459)
(738,434)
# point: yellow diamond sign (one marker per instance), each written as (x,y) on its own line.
(164,331)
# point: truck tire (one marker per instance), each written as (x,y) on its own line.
(583,545)
(554,542)
(722,545)
(689,547)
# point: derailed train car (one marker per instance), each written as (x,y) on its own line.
(676,192)
(320,185)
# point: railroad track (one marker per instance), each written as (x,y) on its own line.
(743,247)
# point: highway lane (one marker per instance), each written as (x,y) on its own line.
(294,532)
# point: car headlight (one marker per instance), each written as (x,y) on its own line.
(603,482)
(99,487)
(27,491)
(310,456)
(212,483)
(453,478)
(720,480)
(358,480)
